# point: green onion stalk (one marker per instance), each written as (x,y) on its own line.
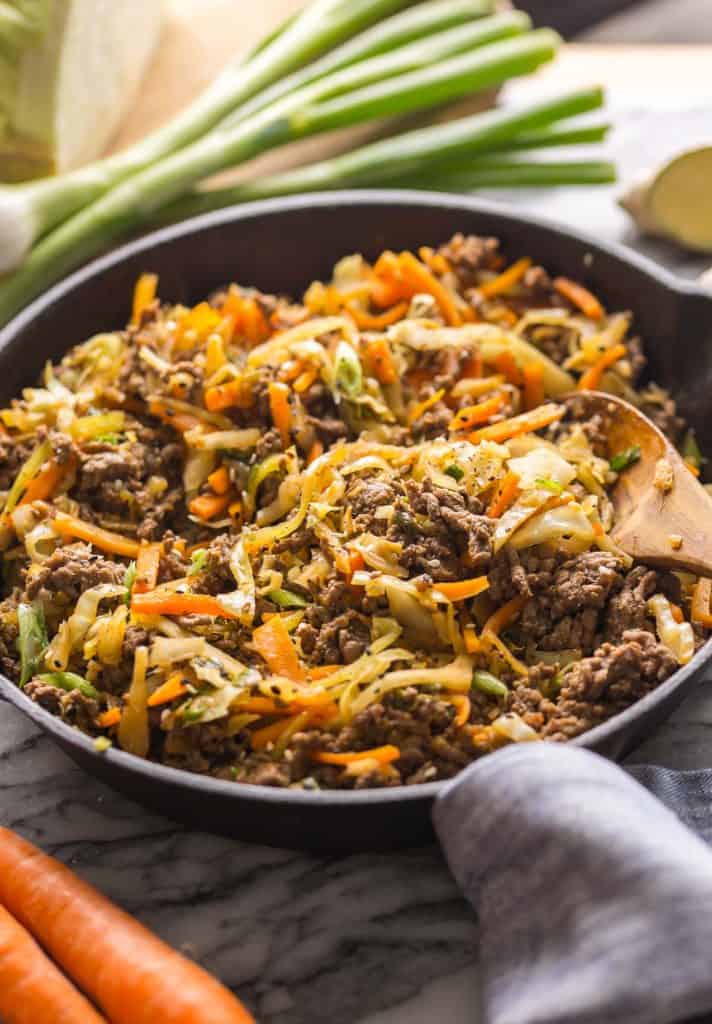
(418,76)
(28,211)
(436,156)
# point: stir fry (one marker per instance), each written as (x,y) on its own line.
(357,540)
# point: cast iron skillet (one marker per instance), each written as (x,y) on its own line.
(281,246)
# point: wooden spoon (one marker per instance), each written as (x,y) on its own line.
(663,514)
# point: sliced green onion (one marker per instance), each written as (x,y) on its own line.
(32,639)
(625,458)
(69,681)
(691,450)
(347,370)
(287,598)
(28,472)
(455,471)
(547,484)
(485,682)
(109,438)
(197,561)
(129,580)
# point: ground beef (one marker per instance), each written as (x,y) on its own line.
(329,639)
(433,423)
(8,636)
(627,609)
(554,340)
(68,572)
(328,429)
(216,576)
(268,444)
(524,573)
(72,706)
(442,533)
(364,496)
(12,456)
(469,254)
(567,615)
(665,416)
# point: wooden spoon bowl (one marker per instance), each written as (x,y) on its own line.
(663,513)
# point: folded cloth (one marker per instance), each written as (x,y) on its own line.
(594,899)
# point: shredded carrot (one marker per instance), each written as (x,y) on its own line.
(315,451)
(147,566)
(387,288)
(421,407)
(208,506)
(416,378)
(356,562)
(472,415)
(219,480)
(677,612)
(592,377)
(260,738)
(695,470)
(45,483)
(472,641)
(305,380)
(419,279)
(157,603)
(580,297)
(700,610)
(377,321)
(507,494)
(234,394)
(180,421)
(215,353)
(322,671)
(109,718)
(463,706)
(500,619)
(279,410)
(506,279)
(253,322)
(144,294)
(384,755)
(598,528)
(276,647)
(463,589)
(525,423)
(506,364)
(105,540)
(434,260)
(533,386)
(173,687)
(473,367)
(379,360)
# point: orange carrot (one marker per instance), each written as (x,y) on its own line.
(315,451)
(280,411)
(421,407)
(32,989)
(377,321)
(463,707)
(506,279)
(695,470)
(384,755)
(507,494)
(234,394)
(434,260)
(522,424)
(677,612)
(592,377)
(131,975)
(215,356)
(259,738)
(275,646)
(105,540)
(463,589)
(144,294)
(472,641)
(321,671)
(173,687)
(379,360)
(219,480)
(500,619)
(598,528)
(506,364)
(472,415)
(533,386)
(45,483)
(356,562)
(473,367)
(419,279)
(387,287)
(207,506)
(700,611)
(147,566)
(580,297)
(305,380)
(179,604)
(109,718)
(180,421)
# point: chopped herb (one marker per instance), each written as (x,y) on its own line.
(110,438)
(485,682)
(455,471)
(69,681)
(32,640)
(691,450)
(129,580)
(625,458)
(197,561)
(192,714)
(347,370)
(548,484)
(287,598)
(101,744)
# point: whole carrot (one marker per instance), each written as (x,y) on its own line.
(128,972)
(32,990)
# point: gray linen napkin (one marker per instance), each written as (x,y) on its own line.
(594,898)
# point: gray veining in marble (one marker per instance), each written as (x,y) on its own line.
(362,940)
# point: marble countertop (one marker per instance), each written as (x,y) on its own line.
(372,939)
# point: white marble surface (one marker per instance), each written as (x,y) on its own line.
(364,940)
